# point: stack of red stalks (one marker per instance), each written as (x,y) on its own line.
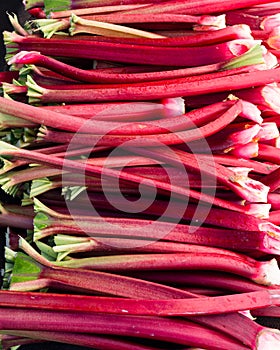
(141,142)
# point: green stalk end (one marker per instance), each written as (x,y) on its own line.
(10,38)
(49,27)
(12,190)
(24,71)
(10,257)
(42,22)
(10,41)
(64,250)
(39,207)
(5,178)
(42,131)
(61,239)
(16,25)
(71,192)
(16,190)
(3,210)
(9,88)
(5,165)
(251,57)
(7,185)
(5,121)
(8,121)
(17,83)
(66,244)
(39,186)
(7,96)
(34,91)
(16,347)
(63,256)
(74,18)
(26,200)
(6,148)
(32,253)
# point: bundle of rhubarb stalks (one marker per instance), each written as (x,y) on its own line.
(140,141)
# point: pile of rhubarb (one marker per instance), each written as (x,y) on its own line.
(140,141)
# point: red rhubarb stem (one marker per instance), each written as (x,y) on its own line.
(177,87)
(97,76)
(200,39)
(175,331)
(87,340)
(198,7)
(168,307)
(261,272)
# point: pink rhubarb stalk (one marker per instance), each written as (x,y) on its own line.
(266,273)
(97,76)
(176,331)
(75,93)
(168,307)
(212,279)
(199,39)
(246,188)
(198,7)
(139,54)
(95,10)
(268,153)
(123,111)
(91,281)
(170,88)
(71,338)
(180,137)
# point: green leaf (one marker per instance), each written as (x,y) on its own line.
(41,221)
(46,251)
(56,5)
(25,269)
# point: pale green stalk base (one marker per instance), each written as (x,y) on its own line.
(251,57)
